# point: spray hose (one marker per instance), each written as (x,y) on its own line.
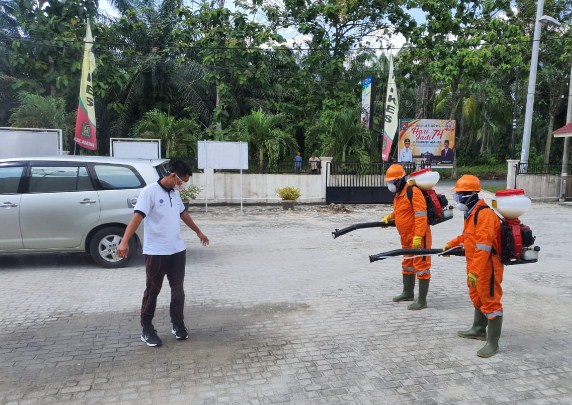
(454,251)
(339,232)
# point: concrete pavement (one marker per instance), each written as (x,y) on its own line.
(279,312)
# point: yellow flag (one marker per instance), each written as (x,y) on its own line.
(85,127)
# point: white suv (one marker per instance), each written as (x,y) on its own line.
(72,203)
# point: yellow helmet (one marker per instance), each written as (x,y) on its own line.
(394,172)
(467,182)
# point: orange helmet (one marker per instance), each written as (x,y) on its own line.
(394,172)
(467,182)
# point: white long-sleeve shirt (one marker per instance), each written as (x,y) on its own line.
(406,155)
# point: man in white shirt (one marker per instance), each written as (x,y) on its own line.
(406,154)
(160,206)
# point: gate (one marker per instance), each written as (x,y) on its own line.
(358,183)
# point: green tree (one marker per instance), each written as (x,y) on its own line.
(228,45)
(178,136)
(36,111)
(157,71)
(332,33)
(264,134)
(467,51)
(340,134)
(47,44)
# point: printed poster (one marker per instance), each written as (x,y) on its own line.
(429,141)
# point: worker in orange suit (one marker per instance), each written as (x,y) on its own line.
(411,221)
(484,266)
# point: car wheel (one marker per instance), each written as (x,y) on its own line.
(103,246)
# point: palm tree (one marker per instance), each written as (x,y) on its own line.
(158,74)
(340,134)
(38,112)
(263,132)
(8,31)
(179,136)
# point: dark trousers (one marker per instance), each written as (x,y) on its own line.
(173,266)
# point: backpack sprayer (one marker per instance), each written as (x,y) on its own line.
(438,209)
(515,239)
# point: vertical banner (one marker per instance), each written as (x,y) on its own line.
(85,134)
(366,102)
(390,116)
(430,141)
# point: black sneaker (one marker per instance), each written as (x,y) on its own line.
(149,336)
(180,332)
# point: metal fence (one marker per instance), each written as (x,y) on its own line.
(371,168)
(288,167)
(265,167)
(351,174)
(539,168)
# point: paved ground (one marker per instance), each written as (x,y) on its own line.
(279,312)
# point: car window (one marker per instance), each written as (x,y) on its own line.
(10,179)
(54,179)
(162,170)
(117,177)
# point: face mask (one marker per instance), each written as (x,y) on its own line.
(392,187)
(461,207)
(181,186)
(461,201)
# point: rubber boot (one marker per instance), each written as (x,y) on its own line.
(421,297)
(493,335)
(408,287)
(478,330)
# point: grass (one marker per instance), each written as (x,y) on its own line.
(492,172)
(483,172)
(493,189)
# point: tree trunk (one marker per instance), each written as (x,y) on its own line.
(548,140)
(52,87)
(218,103)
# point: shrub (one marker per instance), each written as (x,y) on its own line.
(288,193)
(190,193)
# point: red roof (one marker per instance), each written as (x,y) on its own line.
(566,129)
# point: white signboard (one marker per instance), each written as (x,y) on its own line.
(24,142)
(135,148)
(222,155)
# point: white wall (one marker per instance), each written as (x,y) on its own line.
(259,188)
(540,187)
(256,188)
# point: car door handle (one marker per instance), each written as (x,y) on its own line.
(8,204)
(131,201)
(87,201)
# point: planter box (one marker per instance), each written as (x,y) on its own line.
(288,204)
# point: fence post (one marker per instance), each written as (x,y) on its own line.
(324,173)
(511,173)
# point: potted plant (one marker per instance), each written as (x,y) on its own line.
(289,195)
(189,193)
